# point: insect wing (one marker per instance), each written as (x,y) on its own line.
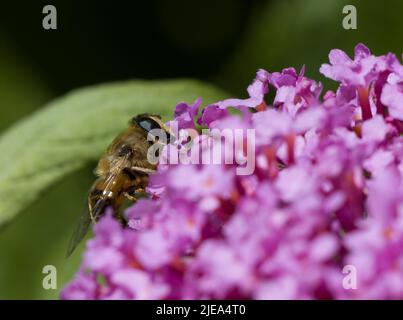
(83,225)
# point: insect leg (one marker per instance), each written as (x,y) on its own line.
(131,193)
(142,170)
(130,197)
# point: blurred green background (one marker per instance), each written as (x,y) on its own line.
(222,42)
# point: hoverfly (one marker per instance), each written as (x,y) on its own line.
(122,171)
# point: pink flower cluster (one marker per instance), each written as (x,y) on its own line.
(326,193)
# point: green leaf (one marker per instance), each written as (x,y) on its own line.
(74,130)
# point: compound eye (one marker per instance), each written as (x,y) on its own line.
(147,124)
